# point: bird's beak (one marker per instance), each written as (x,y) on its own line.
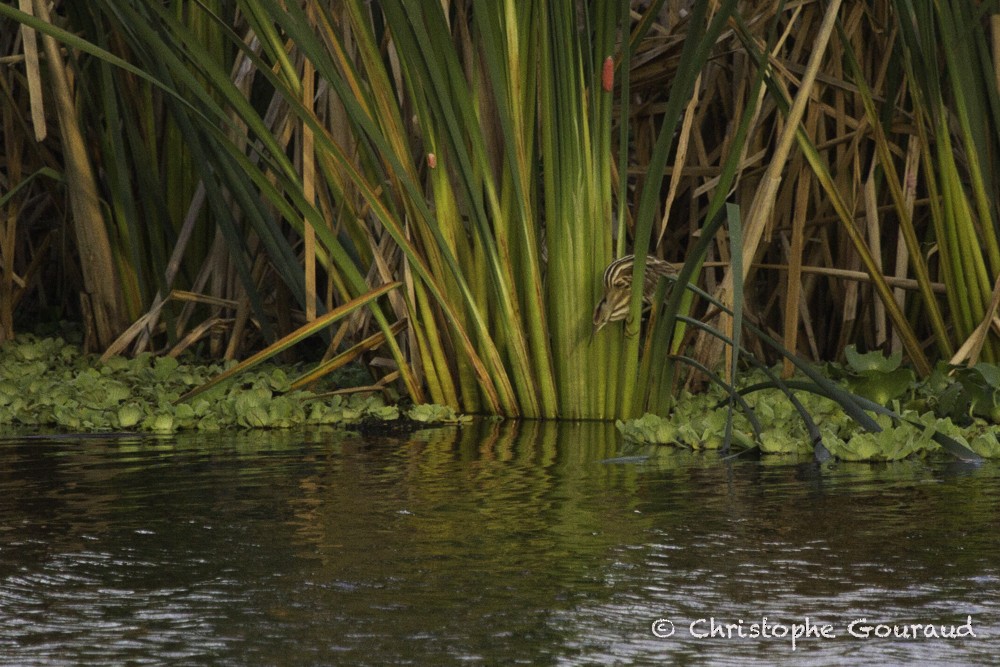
(599,319)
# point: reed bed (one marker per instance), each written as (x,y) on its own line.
(220,175)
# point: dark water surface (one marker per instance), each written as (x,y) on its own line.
(490,544)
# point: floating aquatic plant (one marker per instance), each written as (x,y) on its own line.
(436,414)
(47,383)
(877,377)
(698,422)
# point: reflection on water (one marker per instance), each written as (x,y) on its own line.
(492,543)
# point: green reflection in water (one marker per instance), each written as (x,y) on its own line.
(494,543)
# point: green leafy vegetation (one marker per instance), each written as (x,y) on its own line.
(49,384)
(699,421)
(436,414)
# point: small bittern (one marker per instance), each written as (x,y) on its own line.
(613,306)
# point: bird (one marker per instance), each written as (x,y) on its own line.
(614,304)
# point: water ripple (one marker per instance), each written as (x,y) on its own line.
(516,543)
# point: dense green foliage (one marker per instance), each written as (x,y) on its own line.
(49,384)
(960,403)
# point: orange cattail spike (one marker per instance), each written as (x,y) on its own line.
(608,74)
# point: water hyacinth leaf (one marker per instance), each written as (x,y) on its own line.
(30,351)
(283,412)
(855,449)
(733,396)
(872,362)
(255,416)
(164,367)
(184,413)
(779,441)
(162,422)
(649,429)
(8,391)
(278,380)
(986,444)
(320,413)
(884,387)
(706,431)
(939,379)
(431,413)
(950,401)
(775,381)
(116,392)
(969,396)
(890,444)
(208,423)
(990,373)
(384,412)
(129,415)
(246,400)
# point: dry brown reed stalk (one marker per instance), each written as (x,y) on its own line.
(969,352)
(759,215)
(29,178)
(798,209)
(33,75)
(10,281)
(101,298)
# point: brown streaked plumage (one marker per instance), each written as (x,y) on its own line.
(613,306)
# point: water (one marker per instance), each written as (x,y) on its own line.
(490,544)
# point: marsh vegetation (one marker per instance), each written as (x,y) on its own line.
(436,189)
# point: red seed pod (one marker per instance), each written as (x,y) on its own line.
(608,74)
(432,160)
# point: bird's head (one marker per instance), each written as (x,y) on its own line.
(612,307)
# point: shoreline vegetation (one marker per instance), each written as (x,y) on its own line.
(435,190)
(48,383)
(51,384)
